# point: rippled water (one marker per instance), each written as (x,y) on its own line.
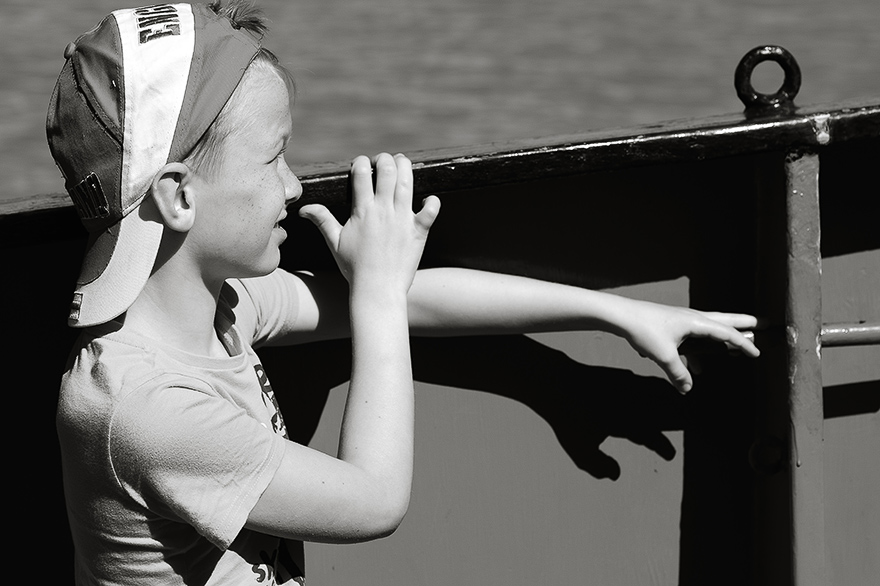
(404,75)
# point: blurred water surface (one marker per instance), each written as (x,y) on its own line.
(406,75)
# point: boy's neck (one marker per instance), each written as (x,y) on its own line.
(179,312)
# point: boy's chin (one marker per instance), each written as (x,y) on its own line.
(262,268)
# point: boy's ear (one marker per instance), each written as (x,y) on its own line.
(173,195)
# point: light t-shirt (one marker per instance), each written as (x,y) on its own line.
(165,453)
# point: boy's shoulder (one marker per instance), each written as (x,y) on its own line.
(107,363)
(115,376)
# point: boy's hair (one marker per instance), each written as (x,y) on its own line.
(243,15)
(138,91)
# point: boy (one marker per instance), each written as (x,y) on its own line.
(169,124)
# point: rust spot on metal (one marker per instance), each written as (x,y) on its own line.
(821,128)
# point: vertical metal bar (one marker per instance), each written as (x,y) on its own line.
(803,320)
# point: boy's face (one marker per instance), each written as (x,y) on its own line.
(245,197)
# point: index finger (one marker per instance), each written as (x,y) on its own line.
(361,182)
(740,321)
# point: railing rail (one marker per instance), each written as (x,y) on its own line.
(477,166)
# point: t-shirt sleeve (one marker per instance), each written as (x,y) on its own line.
(266,307)
(191,456)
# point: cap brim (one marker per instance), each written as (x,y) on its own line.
(133,244)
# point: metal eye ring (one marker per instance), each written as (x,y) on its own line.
(784,96)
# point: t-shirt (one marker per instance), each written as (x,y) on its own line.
(165,453)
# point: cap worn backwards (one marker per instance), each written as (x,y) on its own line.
(136,92)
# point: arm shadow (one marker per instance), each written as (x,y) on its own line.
(584,405)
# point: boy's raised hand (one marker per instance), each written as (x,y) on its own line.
(656,331)
(382,241)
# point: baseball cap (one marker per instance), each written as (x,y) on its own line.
(136,92)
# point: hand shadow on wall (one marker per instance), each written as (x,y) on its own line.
(584,405)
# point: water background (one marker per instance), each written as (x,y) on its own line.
(408,75)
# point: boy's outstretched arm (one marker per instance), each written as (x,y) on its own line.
(451,301)
(363,493)
(454,301)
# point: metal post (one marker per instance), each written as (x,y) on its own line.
(803,319)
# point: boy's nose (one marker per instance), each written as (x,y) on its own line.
(293,189)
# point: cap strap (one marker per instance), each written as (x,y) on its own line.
(157,46)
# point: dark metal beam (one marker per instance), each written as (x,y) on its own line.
(689,140)
(470,167)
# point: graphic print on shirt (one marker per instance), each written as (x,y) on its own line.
(278,566)
(277,569)
(270,401)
